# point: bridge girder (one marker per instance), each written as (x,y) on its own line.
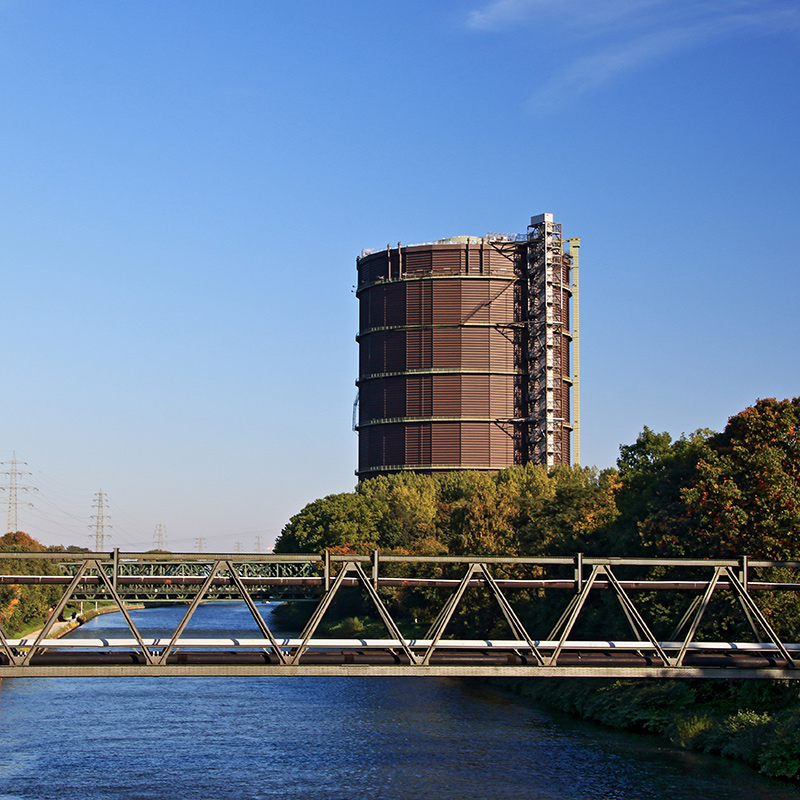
(118,577)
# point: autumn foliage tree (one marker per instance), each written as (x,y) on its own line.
(746,494)
(20,605)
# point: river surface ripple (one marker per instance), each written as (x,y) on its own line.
(326,738)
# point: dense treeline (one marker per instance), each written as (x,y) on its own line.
(23,607)
(708,494)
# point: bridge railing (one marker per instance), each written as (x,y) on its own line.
(543,607)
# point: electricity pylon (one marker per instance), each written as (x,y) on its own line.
(160,537)
(100,523)
(12,489)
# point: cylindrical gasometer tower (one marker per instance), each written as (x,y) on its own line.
(464,353)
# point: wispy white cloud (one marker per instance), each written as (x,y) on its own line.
(499,14)
(628,34)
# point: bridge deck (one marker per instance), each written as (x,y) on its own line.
(204,656)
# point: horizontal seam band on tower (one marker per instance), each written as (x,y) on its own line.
(435,326)
(401,420)
(426,371)
(492,276)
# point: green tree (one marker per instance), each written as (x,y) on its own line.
(653,472)
(343,521)
(746,496)
(405,506)
(22,606)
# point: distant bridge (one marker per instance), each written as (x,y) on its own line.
(566,586)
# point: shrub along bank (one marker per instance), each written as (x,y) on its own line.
(754,721)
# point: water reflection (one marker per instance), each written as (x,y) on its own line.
(322,738)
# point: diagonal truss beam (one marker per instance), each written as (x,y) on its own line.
(570,616)
(13,659)
(695,623)
(514,622)
(325,603)
(639,626)
(56,613)
(441,622)
(749,603)
(262,625)
(198,598)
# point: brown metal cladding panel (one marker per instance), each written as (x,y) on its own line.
(375,448)
(474,262)
(366,404)
(395,304)
(363,448)
(417,260)
(475,449)
(418,396)
(445,443)
(375,303)
(502,308)
(566,268)
(501,396)
(371,403)
(566,407)
(475,396)
(375,346)
(395,359)
(386,445)
(475,348)
(501,349)
(394,397)
(447,302)
(418,444)
(498,263)
(475,296)
(502,446)
(565,356)
(419,347)
(372,353)
(394,444)
(363,312)
(371,268)
(364,359)
(418,302)
(447,259)
(447,396)
(446,348)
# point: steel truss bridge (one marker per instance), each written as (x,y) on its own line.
(569,585)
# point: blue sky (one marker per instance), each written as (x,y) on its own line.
(186,185)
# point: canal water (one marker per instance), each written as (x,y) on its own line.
(323,738)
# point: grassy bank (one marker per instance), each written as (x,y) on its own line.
(37,624)
(756,722)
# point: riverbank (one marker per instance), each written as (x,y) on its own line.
(63,627)
(755,722)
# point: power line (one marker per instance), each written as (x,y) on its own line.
(12,489)
(100,523)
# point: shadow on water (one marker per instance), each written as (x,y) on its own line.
(98,739)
